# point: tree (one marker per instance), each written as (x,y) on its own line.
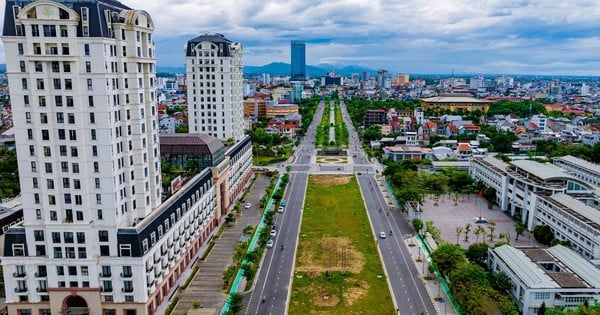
(448,257)
(500,282)
(519,229)
(182,128)
(417,224)
(372,133)
(491,227)
(542,309)
(543,234)
(468,275)
(478,231)
(458,230)
(433,230)
(477,253)
(467,231)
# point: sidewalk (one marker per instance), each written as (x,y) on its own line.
(207,286)
(435,291)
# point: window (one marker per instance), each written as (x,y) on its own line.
(18,250)
(61,134)
(70,252)
(89,84)
(79,215)
(66,66)
(38,235)
(42,101)
(53,216)
(24,83)
(104,250)
(68,84)
(35,30)
(57,252)
(72,135)
(49,30)
(88,66)
(92,118)
(86,49)
(100,216)
(50,183)
(84,14)
(71,118)
(81,252)
(26,100)
(58,100)
(45,134)
(125,250)
(63,152)
(91,101)
(63,31)
(103,236)
(40,250)
(20,48)
(48,167)
(60,118)
(68,237)
(80,237)
(40,84)
(56,83)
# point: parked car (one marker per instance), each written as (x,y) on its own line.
(270,244)
(280,209)
(273,233)
(382,235)
(282,203)
(247,205)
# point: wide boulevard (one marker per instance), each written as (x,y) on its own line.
(271,292)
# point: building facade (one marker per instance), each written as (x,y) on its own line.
(556,277)
(298,61)
(454,103)
(98,235)
(214,72)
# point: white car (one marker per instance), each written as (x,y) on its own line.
(270,244)
(280,209)
(273,233)
(382,235)
(247,205)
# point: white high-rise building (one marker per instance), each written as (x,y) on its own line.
(214,72)
(82,87)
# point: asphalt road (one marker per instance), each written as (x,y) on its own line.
(409,292)
(272,288)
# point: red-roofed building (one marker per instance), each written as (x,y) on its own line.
(469,129)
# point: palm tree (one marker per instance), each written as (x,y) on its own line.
(478,231)
(467,231)
(491,227)
(519,229)
(459,230)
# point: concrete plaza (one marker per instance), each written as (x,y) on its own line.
(448,215)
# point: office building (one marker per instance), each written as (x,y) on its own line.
(99,235)
(298,62)
(556,277)
(214,73)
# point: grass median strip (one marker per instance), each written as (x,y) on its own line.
(338,270)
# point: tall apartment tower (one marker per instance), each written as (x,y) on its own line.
(298,62)
(214,75)
(82,87)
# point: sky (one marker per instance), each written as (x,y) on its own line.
(546,37)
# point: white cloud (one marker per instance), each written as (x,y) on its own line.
(411,35)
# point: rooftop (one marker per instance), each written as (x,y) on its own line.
(530,273)
(583,212)
(454,99)
(581,163)
(541,170)
(185,143)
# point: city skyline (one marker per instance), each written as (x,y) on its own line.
(518,37)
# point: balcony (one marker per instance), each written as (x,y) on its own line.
(41,289)
(20,290)
(19,274)
(149,268)
(41,274)
(106,290)
(105,275)
(126,275)
(127,290)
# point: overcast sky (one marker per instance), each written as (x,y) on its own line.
(412,36)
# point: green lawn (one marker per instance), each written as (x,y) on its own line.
(336,236)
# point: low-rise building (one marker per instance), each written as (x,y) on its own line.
(400,153)
(555,277)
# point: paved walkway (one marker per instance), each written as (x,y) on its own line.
(435,292)
(207,286)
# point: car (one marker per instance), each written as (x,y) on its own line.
(247,205)
(358,173)
(382,235)
(280,210)
(270,244)
(273,233)
(282,203)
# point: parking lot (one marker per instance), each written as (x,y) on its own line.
(447,216)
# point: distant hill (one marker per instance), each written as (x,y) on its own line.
(282,68)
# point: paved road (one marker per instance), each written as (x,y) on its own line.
(273,281)
(408,289)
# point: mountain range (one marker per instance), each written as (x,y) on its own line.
(283,69)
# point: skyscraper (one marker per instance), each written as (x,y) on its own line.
(298,62)
(214,72)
